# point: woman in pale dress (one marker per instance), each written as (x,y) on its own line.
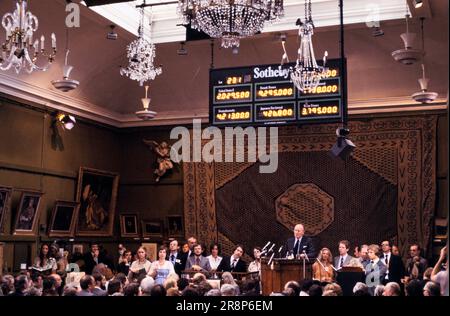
(214,258)
(161,268)
(139,267)
(324,271)
(255,265)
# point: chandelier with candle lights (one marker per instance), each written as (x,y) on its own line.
(307,73)
(19,51)
(141,54)
(229,20)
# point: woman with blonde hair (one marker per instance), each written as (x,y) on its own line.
(323,267)
(140,267)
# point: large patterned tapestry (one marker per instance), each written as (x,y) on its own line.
(385,190)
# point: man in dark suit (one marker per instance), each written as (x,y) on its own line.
(183,257)
(395,268)
(94,257)
(301,245)
(198,262)
(176,257)
(233,263)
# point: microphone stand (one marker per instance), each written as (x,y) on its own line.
(304,264)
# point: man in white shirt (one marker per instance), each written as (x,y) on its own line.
(300,245)
(344,258)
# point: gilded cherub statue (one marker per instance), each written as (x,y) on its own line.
(163,157)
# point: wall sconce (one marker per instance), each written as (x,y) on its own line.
(66,121)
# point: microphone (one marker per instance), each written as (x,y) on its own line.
(264,248)
(270,260)
(271,248)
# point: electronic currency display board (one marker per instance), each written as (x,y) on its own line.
(265,95)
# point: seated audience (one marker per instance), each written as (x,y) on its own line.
(198,262)
(125,263)
(161,268)
(132,289)
(87,285)
(115,287)
(335,288)
(233,263)
(255,265)
(139,267)
(379,290)
(44,262)
(146,285)
(294,286)
(158,290)
(228,290)
(391,289)
(214,258)
(100,281)
(414,288)
(416,264)
(431,289)
(438,276)
(94,257)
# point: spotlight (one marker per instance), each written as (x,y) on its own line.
(112,35)
(344,146)
(377,31)
(67,121)
(182,51)
(418,4)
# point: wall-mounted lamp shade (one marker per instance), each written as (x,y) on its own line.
(418,4)
(67,121)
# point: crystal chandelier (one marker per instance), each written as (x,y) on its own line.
(229,20)
(307,74)
(141,54)
(18,50)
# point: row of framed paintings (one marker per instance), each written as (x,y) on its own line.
(129,227)
(92,213)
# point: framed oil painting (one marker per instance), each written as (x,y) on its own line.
(152,249)
(129,225)
(97,194)
(28,214)
(175,226)
(64,218)
(5,204)
(152,228)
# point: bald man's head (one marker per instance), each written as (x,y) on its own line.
(299,231)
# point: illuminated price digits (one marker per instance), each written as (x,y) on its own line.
(275,92)
(323,89)
(233,116)
(278,113)
(233,95)
(331,73)
(320,110)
